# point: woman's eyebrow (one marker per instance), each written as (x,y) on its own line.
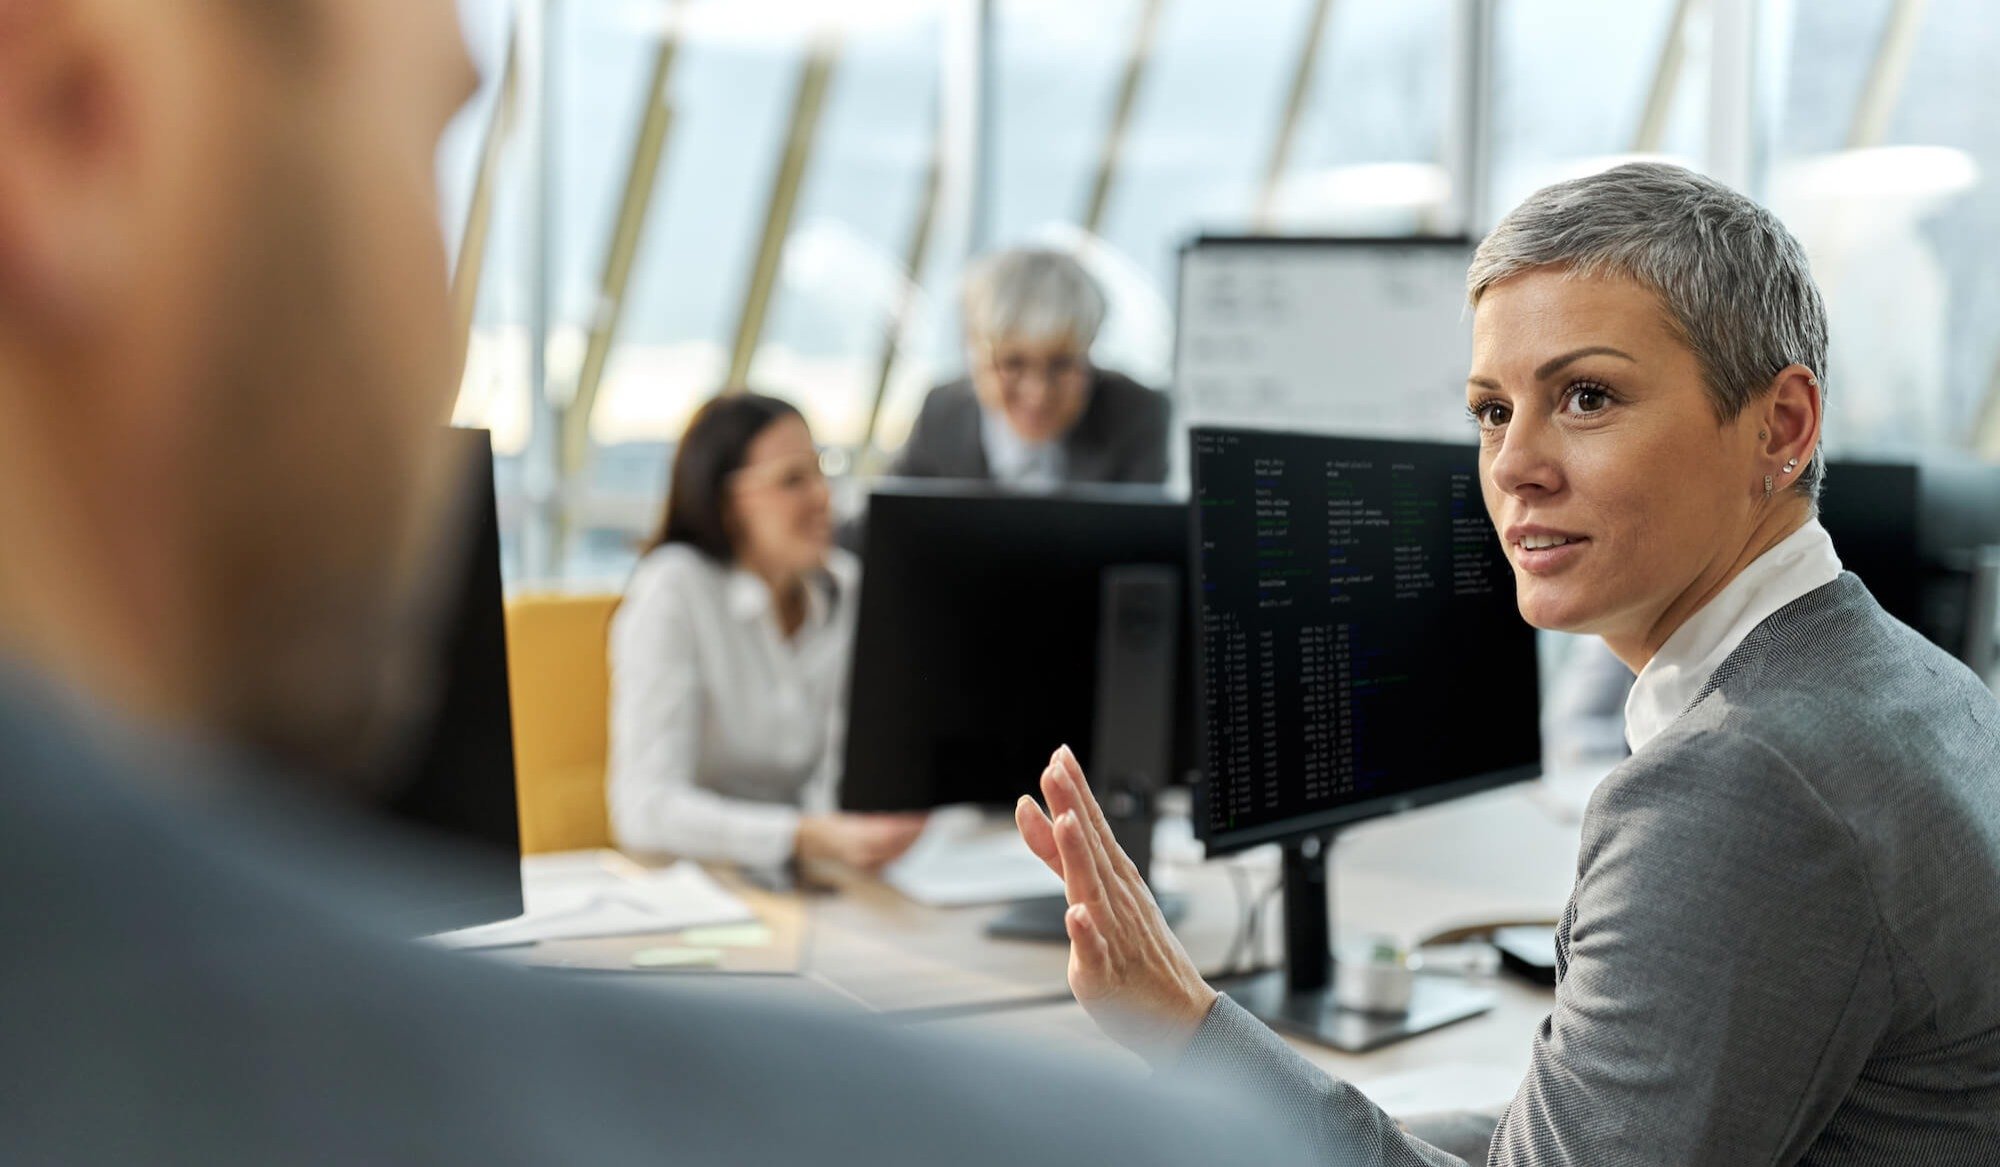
(1555,365)
(1550,367)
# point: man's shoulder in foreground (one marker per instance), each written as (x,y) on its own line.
(185,991)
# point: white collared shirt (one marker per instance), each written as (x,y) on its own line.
(722,729)
(1801,562)
(1037,465)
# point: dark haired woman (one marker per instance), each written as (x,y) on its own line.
(729,657)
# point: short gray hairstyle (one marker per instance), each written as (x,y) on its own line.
(1032,294)
(1734,282)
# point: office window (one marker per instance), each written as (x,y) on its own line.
(1578,86)
(1885,149)
(831,111)
(1211,83)
(1121,129)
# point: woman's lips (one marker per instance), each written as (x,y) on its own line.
(1547,560)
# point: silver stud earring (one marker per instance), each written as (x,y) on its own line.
(1791,465)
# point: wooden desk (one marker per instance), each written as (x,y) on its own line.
(1495,856)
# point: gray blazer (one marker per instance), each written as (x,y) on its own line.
(209,979)
(1121,437)
(1784,941)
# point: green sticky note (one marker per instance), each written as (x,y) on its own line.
(676,958)
(730,936)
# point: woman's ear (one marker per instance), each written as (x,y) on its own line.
(1789,422)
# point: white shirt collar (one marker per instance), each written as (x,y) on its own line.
(749,597)
(1014,461)
(1802,562)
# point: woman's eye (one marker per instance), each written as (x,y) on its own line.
(1589,399)
(1490,415)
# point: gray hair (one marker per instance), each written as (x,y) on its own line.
(1734,282)
(1032,294)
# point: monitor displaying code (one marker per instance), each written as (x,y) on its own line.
(1360,650)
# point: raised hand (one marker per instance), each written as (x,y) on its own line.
(1126,967)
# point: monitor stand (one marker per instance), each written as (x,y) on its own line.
(1299,999)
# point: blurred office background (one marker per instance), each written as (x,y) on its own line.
(657,198)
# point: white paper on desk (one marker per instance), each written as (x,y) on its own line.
(583,895)
(965,857)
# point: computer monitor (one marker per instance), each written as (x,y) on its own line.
(459,784)
(1917,535)
(977,640)
(1358,653)
(1870,509)
(1958,525)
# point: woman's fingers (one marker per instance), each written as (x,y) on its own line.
(1077,793)
(1083,880)
(1056,791)
(1038,833)
(1068,794)
(1090,953)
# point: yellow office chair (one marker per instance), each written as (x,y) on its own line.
(560,687)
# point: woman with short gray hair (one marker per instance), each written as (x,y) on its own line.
(1781,943)
(1033,411)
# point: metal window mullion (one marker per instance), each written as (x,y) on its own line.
(809,99)
(1265,214)
(1112,151)
(621,252)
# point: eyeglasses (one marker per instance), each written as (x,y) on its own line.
(1013,368)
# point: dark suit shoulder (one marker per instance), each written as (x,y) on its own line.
(1123,395)
(944,440)
(252,1013)
(1123,434)
(951,399)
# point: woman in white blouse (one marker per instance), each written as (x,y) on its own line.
(729,657)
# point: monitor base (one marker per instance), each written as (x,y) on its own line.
(1314,1015)
(1042,918)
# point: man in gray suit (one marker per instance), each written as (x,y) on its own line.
(224,357)
(1033,411)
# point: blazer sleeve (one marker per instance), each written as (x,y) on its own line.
(1724,980)
(1238,1053)
(655,804)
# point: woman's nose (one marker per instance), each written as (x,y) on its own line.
(1527,460)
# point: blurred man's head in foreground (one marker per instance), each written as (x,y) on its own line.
(224,354)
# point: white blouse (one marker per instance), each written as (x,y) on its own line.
(1802,561)
(722,730)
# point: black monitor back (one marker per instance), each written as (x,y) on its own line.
(1870,509)
(1914,533)
(976,646)
(1959,520)
(459,787)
